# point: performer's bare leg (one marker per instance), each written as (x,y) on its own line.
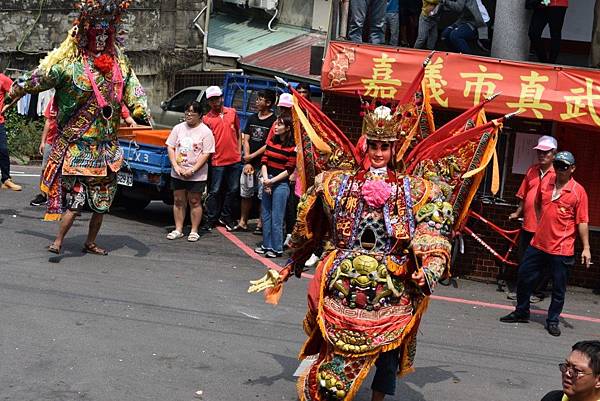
(94,227)
(377,396)
(66,222)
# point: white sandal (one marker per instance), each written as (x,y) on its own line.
(193,237)
(174,235)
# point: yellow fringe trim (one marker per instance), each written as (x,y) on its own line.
(52,216)
(66,51)
(310,131)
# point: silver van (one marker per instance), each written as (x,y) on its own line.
(171,111)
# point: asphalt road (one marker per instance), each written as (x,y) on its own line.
(160,320)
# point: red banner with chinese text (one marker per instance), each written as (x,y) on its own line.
(458,81)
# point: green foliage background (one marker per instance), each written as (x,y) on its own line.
(23,135)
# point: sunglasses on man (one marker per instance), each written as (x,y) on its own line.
(560,166)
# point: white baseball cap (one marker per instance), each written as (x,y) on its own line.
(546,143)
(213,91)
(285,100)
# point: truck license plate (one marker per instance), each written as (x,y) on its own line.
(125,178)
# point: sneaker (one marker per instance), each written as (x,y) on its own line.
(553,329)
(260,250)
(39,200)
(311,261)
(514,317)
(273,254)
(9,184)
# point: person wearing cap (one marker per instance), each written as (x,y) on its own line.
(562,207)
(225,163)
(538,173)
(254,143)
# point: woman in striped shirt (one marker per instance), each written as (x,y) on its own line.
(278,162)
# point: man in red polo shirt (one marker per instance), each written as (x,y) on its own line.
(541,172)
(562,205)
(225,163)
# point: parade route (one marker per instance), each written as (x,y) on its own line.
(161,320)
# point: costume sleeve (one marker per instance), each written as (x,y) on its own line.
(134,96)
(430,243)
(311,225)
(39,80)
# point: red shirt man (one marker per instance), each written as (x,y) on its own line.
(225,125)
(563,211)
(540,172)
(226,167)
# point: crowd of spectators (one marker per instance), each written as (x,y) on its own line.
(241,171)
(461,26)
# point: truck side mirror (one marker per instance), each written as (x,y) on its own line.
(164,105)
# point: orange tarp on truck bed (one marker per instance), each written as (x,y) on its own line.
(144,135)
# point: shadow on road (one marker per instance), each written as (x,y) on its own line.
(73,246)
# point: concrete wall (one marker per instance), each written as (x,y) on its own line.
(160,40)
(296,12)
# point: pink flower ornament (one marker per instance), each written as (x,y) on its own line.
(376,192)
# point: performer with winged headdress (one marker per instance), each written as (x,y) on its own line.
(389,219)
(92,78)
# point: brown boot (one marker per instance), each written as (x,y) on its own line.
(9,184)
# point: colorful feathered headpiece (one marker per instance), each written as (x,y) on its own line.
(93,14)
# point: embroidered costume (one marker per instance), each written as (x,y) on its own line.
(90,91)
(382,225)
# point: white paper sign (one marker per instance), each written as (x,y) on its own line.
(524,155)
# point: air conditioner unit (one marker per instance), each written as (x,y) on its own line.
(236,2)
(264,4)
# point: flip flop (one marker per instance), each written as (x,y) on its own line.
(94,249)
(240,228)
(54,249)
(193,237)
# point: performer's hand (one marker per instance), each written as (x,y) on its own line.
(419,277)
(269,280)
(41,149)
(586,257)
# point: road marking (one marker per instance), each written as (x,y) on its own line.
(22,174)
(249,315)
(270,265)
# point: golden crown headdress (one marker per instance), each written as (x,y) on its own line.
(380,124)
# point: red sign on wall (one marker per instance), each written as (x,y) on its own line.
(458,81)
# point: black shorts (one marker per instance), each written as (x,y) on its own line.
(190,186)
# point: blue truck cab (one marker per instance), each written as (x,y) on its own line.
(146,173)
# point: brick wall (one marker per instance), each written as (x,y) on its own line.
(476,262)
